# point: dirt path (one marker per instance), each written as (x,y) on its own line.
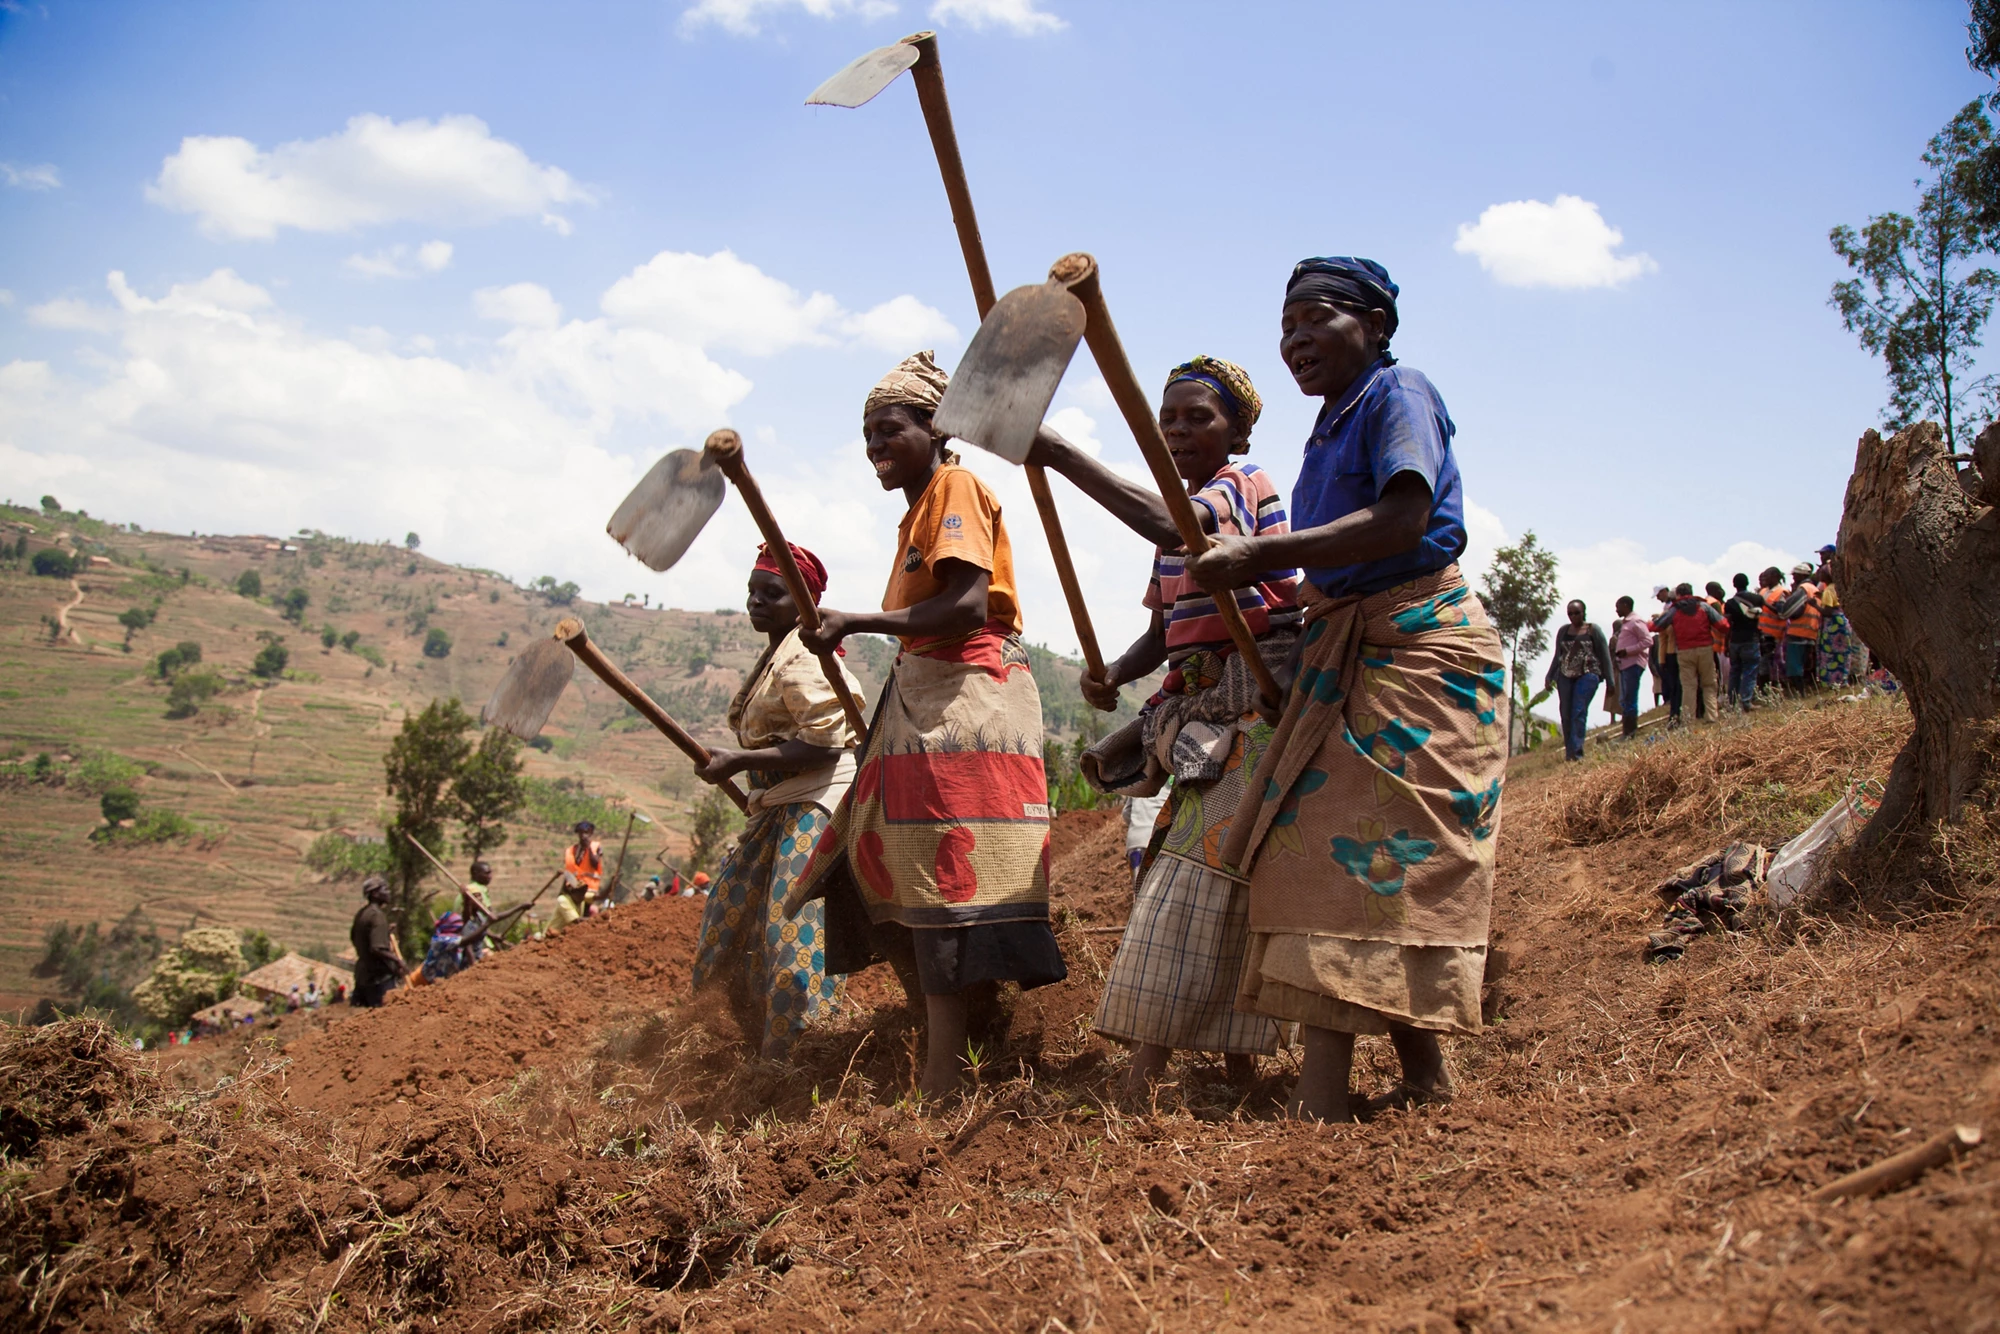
(226,785)
(62,613)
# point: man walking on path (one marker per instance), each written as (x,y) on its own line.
(1631,643)
(377,966)
(1744,612)
(1693,620)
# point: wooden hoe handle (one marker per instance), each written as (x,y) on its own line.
(725,447)
(570,631)
(1079,273)
(929,77)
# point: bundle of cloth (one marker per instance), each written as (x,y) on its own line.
(1703,896)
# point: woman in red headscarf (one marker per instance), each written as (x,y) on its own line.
(796,748)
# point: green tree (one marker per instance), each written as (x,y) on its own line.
(184,654)
(271,659)
(53,563)
(1918,302)
(189,691)
(350,639)
(715,819)
(556,594)
(1519,590)
(135,619)
(412,541)
(422,764)
(51,505)
(119,803)
(328,636)
(489,790)
(293,605)
(250,584)
(437,644)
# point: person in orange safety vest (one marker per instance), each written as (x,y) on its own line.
(583,871)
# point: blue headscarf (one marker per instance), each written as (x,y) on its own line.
(1344,280)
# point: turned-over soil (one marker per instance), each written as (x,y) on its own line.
(561,1138)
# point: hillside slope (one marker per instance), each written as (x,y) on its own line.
(268,766)
(562,1138)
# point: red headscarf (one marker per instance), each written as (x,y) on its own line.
(810,569)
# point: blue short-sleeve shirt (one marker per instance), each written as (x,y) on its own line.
(1390,421)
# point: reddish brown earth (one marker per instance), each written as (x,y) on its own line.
(562,1139)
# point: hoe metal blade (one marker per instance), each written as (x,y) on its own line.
(668,508)
(522,701)
(867,76)
(1002,389)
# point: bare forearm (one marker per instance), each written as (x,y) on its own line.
(787,757)
(1148,651)
(1133,505)
(1383,529)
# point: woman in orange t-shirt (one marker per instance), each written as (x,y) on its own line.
(943,840)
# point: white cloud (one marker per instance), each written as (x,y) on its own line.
(900,325)
(220,410)
(1016,16)
(69,313)
(399,261)
(722,301)
(1567,244)
(6,297)
(743,17)
(526,304)
(35,176)
(451,171)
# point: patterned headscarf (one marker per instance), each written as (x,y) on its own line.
(809,565)
(917,382)
(1343,280)
(1231,384)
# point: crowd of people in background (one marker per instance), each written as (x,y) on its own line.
(1710,652)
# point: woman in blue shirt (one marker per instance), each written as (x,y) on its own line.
(1371,855)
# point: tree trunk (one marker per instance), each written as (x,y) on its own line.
(1918,571)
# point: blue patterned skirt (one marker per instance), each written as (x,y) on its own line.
(773,965)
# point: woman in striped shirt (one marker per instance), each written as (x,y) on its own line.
(1174,982)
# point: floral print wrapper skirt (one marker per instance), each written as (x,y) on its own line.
(1370,854)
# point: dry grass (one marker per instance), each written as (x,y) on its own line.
(1731,781)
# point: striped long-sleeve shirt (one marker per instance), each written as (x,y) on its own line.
(1244,503)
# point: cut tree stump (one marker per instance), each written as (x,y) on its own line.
(1918,571)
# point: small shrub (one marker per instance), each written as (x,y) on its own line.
(190,690)
(293,605)
(328,636)
(119,803)
(158,826)
(350,639)
(437,644)
(270,660)
(370,654)
(250,584)
(103,770)
(341,857)
(184,654)
(53,563)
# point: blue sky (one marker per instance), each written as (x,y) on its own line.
(467,269)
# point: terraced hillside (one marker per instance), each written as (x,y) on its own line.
(270,764)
